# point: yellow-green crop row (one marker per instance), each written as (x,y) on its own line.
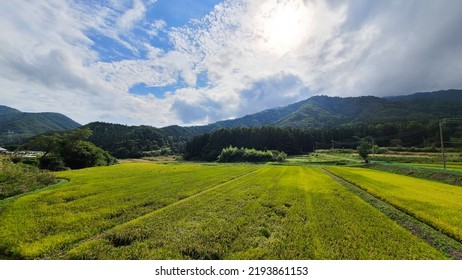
(277,212)
(454,166)
(435,203)
(95,199)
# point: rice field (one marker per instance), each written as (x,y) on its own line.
(96,199)
(193,211)
(438,204)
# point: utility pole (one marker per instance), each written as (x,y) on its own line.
(443,121)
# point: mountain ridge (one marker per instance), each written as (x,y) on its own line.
(17,126)
(324,111)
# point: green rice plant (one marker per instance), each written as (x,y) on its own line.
(96,199)
(437,204)
(277,212)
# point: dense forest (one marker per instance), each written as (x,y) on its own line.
(124,141)
(300,141)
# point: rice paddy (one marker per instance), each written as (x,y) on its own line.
(194,211)
(438,204)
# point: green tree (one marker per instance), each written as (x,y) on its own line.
(364,149)
(69,150)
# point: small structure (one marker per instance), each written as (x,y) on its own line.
(4,151)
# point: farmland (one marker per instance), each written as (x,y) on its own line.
(202,211)
(438,204)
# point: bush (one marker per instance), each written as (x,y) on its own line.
(83,154)
(53,163)
(20,178)
(233,154)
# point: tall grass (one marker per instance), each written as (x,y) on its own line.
(20,178)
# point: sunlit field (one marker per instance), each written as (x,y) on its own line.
(435,203)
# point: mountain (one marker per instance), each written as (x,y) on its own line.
(324,111)
(391,117)
(5,110)
(17,126)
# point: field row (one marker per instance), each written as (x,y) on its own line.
(186,211)
(277,213)
(97,199)
(438,204)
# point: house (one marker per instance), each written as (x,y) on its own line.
(4,151)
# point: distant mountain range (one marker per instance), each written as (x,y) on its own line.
(324,111)
(17,126)
(316,112)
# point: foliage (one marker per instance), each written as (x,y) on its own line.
(20,178)
(435,203)
(69,150)
(209,146)
(135,141)
(364,149)
(233,154)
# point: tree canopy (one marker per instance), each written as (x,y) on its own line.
(70,150)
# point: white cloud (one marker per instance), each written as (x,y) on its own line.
(131,16)
(256,54)
(157,26)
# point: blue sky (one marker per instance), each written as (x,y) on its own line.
(190,62)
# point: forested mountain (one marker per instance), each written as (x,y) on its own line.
(410,120)
(16,126)
(124,141)
(324,111)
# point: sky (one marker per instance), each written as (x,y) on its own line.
(193,62)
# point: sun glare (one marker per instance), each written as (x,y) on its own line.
(282,26)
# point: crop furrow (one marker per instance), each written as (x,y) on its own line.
(158,210)
(432,236)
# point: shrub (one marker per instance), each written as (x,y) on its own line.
(20,178)
(233,154)
(53,163)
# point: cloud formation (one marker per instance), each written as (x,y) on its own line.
(82,58)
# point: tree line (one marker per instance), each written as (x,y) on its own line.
(293,141)
(207,147)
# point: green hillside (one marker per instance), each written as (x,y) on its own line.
(324,111)
(410,120)
(16,126)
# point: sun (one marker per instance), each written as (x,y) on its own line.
(282,26)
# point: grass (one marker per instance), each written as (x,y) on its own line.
(433,237)
(20,178)
(97,199)
(451,166)
(278,212)
(421,171)
(438,204)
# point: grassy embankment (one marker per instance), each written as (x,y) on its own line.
(16,179)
